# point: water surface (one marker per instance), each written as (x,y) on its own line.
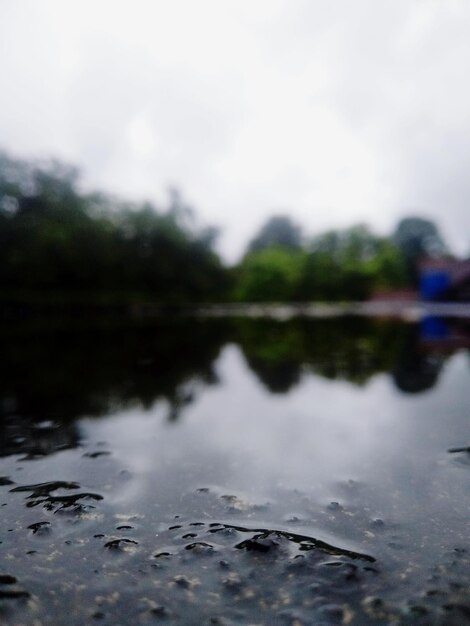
(236,472)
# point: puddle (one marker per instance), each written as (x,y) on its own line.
(235,472)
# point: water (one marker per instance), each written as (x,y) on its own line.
(236,472)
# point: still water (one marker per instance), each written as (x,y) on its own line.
(236,472)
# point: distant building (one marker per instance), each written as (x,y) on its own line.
(395,295)
(444,280)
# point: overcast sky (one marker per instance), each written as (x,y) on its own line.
(335,111)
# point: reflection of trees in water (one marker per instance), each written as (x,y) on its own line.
(277,377)
(351,349)
(26,435)
(272,351)
(49,379)
(416,372)
(425,349)
(417,367)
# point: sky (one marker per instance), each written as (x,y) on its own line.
(332,111)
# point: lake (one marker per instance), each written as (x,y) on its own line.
(235,471)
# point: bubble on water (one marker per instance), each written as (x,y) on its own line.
(183,582)
(200,548)
(160,611)
(40,528)
(44,489)
(95,455)
(42,494)
(225,532)
(292,519)
(233,582)
(334,506)
(98,615)
(377,523)
(120,543)
(257,544)
(45,425)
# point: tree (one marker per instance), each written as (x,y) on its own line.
(269,275)
(53,238)
(279,230)
(416,238)
(350,264)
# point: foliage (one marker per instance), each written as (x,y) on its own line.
(417,238)
(58,242)
(350,264)
(279,230)
(269,275)
(338,265)
(55,238)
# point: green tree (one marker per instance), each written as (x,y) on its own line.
(279,230)
(350,264)
(418,238)
(269,275)
(55,239)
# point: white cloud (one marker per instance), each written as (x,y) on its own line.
(337,111)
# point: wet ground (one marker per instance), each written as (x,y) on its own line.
(236,472)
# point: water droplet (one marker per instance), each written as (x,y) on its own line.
(257,544)
(40,528)
(95,455)
(334,506)
(182,582)
(118,544)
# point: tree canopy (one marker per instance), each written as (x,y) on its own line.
(55,238)
(278,230)
(418,238)
(59,241)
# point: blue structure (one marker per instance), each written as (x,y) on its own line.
(434,283)
(433,329)
(444,280)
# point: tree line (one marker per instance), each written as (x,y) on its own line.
(59,242)
(56,239)
(347,264)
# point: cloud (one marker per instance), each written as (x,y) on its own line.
(336,111)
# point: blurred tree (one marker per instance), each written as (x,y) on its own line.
(417,238)
(279,230)
(350,264)
(53,238)
(388,267)
(269,275)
